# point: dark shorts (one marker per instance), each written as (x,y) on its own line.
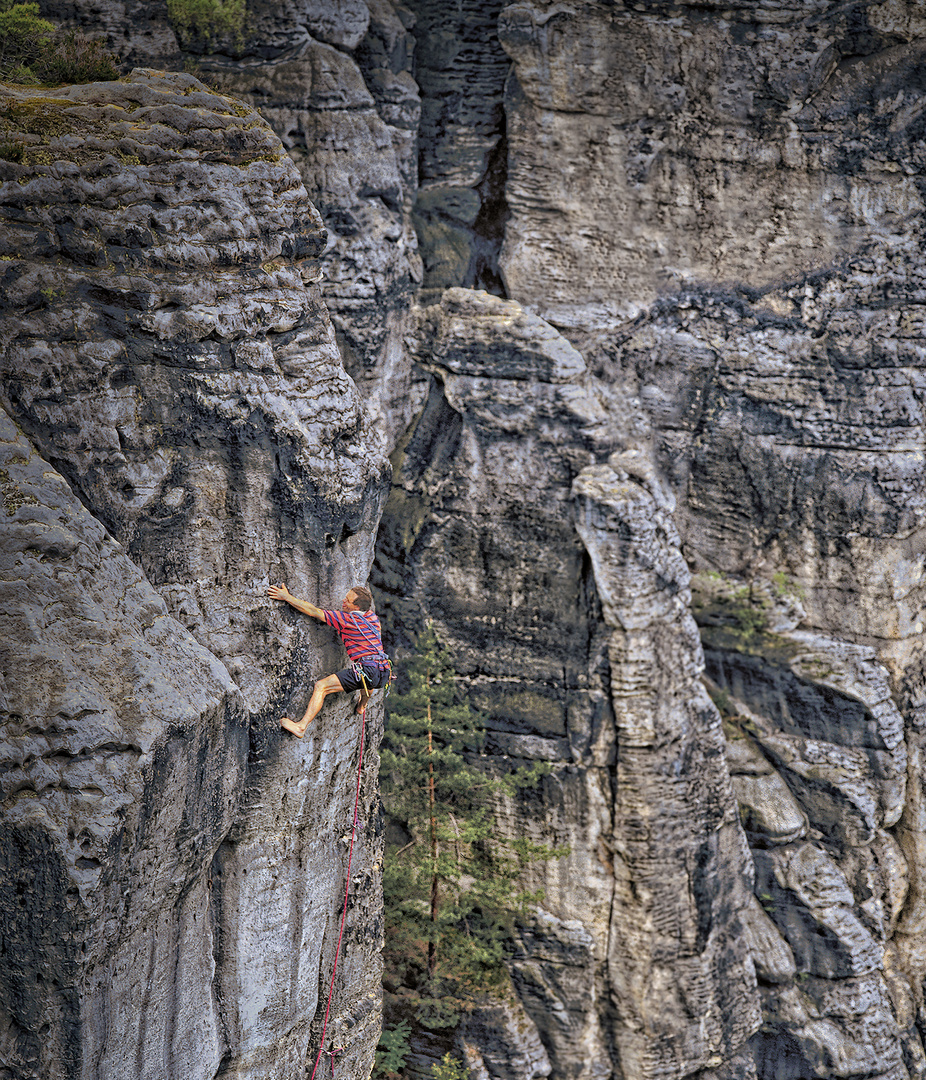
(376,678)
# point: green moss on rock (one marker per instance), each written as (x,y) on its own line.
(733,616)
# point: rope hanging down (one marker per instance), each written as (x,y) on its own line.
(350,855)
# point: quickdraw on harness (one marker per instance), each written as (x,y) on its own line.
(337,952)
(381,660)
(332,1053)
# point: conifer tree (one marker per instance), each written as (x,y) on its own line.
(450,885)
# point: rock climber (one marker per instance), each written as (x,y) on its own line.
(360,631)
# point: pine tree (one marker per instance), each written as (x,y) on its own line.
(23,37)
(450,885)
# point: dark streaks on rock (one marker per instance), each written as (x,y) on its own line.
(168,351)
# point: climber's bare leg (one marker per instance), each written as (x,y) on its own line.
(329,685)
(364,698)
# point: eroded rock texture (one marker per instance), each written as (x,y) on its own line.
(166,351)
(719,208)
(334,80)
(124,759)
(568,615)
(682,978)
(336,88)
(461,68)
(748,145)
(744,184)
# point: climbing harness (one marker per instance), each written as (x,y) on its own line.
(337,951)
(359,673)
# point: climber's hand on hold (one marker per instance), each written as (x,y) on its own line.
(280,592)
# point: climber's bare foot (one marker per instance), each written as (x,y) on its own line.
(297,729)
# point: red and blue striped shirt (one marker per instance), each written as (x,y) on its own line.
(360,631)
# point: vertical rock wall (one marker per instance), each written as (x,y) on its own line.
(124,757)
(682,980)
(721,211)
(460,212)
(720,207)
(650,150)
(578,642)
(335,85)
(164,347)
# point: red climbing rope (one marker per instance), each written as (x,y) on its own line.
(350,855)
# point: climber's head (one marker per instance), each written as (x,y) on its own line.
(358,599)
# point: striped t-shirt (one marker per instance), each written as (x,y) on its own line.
(361,634)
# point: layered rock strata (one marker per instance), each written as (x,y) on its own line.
(650,150)
(169,350)
(165,348)
(819,761)
(480,537)
(743,184)
(682,980)
(818,750)
(460,210)
(335,86)
(334,79)
(746,186)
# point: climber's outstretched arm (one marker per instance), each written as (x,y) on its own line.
(280,592)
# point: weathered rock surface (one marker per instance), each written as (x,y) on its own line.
(337,90)
(164,346)
(334,80)
(556,975)
(811,719)
(639,789)
(176,405)
(743,183)
(682,981)
(124,758)
(460,212)
(649,151)
(500,1042)
(816,743)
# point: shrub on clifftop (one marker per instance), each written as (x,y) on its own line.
(72,57)
(208,22)
(33,51)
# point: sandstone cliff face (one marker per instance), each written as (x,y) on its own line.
(749,145)
(335,85)
(125,755)
(166,351)
(745,186)
(719,208)
(568,612)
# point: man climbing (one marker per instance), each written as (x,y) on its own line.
(359,628)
